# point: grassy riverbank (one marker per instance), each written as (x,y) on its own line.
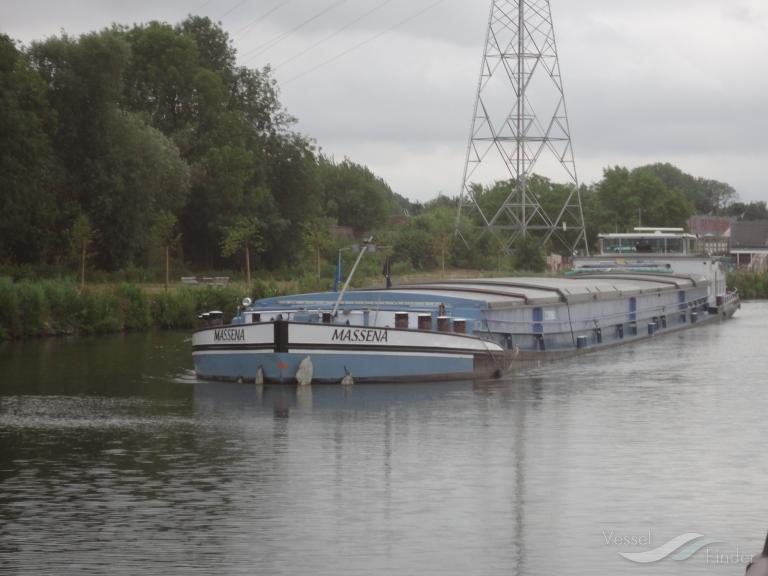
(34,308)
(751,285)
(54,307)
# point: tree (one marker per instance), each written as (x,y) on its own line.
(427,239)
(118,169)
(27,182)
(441,221)
(82,235)
(528,254)
(164,234)
(629,198)
(317,237)
(144,176)
(707,196)
(161,79)
(749,211)
(244,234)
(355,196)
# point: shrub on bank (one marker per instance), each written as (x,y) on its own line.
(51,307)
(9,309)
(175,309)
(63,306)
(751,285)
(32,309)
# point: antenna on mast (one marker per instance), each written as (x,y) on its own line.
(520,123)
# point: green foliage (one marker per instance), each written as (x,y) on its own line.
(10,321)
(707,196)
(354,196)
(751,285)
(317,242)
(63,305)
(163,231)
(428,240)
(225,299)
(81,234)
(153,136)
(175,309)
(50,307)
(630,198)
(153,118)
(750,211)
(244,232)
(134,307)
(99,313)
(146,176)
(27,198)
(33,309)
(528,254)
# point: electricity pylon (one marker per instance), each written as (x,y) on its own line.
(520,123)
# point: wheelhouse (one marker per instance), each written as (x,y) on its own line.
(646,241)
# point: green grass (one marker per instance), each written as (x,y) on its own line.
(32,308)
(57,307)
(751,285)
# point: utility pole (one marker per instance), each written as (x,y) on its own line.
(520,123)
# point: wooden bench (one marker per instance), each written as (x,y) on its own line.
(205,280)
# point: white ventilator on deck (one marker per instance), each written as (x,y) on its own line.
(259,380)
(304,372)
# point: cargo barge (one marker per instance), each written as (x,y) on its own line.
(474,328)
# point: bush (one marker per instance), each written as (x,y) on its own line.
(751,285)
(528,254)
(63,305)
(29,309)
(32,307)
(10,324)
(134,308)
(99,313)
(175,310)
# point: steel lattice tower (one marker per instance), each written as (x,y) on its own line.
(520,123)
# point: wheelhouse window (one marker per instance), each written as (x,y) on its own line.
(646,245)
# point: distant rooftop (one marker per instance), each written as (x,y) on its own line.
(753,234)
(709,225)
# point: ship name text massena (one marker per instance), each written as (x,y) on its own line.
(642,284)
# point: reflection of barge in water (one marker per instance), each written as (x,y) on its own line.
(459,329)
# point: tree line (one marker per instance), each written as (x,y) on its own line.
(137,138)
(123,146)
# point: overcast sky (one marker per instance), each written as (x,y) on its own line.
(391,83)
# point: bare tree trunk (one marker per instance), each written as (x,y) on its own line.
(167,266)
(248,266)
(442,254)
(82,267)
(318,261)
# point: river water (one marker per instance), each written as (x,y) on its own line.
(114,461)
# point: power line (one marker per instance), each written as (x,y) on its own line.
(260,18)
(364,42)
(334,34)
(261,48)
(236,6)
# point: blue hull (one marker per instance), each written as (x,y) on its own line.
(330,367)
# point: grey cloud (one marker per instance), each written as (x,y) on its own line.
(646,81)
